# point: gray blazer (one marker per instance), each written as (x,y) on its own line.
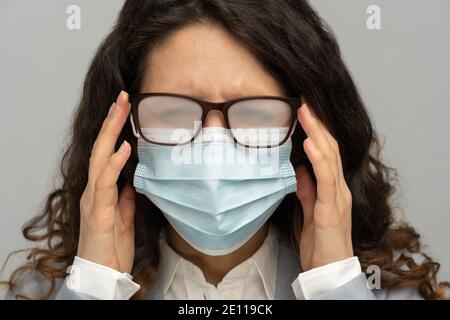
(288,269)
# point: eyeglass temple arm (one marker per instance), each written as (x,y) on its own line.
(135,132)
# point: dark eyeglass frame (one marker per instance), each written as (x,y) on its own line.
(207,106)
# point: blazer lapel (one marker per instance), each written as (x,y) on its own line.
(288,269)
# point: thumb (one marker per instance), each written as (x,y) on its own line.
(306,193)
(127,205)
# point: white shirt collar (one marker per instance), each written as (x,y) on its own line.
(264,260)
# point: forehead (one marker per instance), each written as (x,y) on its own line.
(205,61)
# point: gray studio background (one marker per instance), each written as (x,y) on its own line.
(402,71)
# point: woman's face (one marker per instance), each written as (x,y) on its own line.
(206,62)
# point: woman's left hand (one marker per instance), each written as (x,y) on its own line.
(327,206)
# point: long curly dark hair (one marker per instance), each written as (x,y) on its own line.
(299,50)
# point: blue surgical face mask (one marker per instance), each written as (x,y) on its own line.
(215,193)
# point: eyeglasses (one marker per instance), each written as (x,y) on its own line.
(172,119)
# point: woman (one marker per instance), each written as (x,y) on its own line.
(135,223)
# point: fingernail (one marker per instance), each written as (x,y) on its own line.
(123,96)
(123,147)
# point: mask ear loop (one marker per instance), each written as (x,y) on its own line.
(135,132)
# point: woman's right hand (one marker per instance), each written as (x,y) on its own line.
(107,218)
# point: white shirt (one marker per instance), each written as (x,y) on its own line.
(254,278)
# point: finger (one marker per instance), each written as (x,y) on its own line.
(127,206)
(335,147)
(112,126)
(105,186)
(306,193)
(326,179)
(312,126)
(331,141)
(341,183)
(342,188)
